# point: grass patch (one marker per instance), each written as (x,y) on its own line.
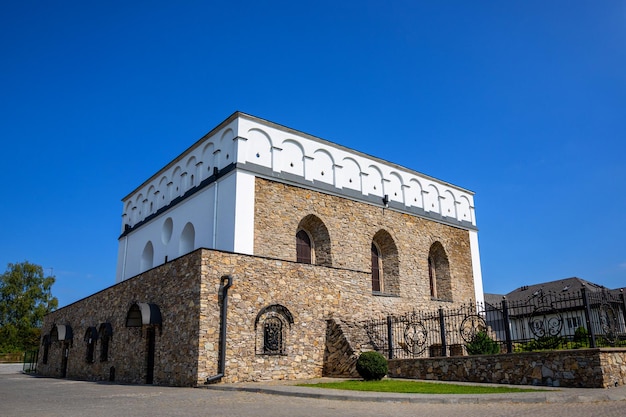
(415,387)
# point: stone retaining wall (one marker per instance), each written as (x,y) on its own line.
(586,368)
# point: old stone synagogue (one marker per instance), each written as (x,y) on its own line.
(256,254)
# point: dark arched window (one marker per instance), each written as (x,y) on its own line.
(105,333)
(303,247)
(91,335)
(273,336)
(272,326)
(376,269)
(439,273)
(432,278)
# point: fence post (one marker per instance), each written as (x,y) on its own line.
(390,337)
(621,293)
(442,328)
(507,325)
(592,334)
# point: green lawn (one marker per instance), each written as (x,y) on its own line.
(416,387)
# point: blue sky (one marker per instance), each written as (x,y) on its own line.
(522,102)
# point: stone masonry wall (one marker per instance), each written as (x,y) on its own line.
(352,225)
(312,294)
(174,287)
(584,368)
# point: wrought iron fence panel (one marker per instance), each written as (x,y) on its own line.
(545,320)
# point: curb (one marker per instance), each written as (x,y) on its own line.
(580,396)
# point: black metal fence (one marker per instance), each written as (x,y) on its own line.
(543,321)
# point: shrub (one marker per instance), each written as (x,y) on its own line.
(482,344)
(372,366)
(581,336)
(544,343)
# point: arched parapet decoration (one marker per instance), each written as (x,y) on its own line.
(272,326)
(143,314)
(192,174)
(386,263)
(62,333)
(464,211)
(322,167)
(439,273)
(394,188)
(187,239)
(226,156)
(147,257)
(163,198)
(373,181)
(177,179)
(414,196)
(350,176)
(321,244)
(448,204)
(259,147)
(208,159)
(432,201)
(151,196)
(139,204)
(292,157)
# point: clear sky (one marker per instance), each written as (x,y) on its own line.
(522,102)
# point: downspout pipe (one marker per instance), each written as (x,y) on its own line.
(227,282)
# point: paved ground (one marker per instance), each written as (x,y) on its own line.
(23,395)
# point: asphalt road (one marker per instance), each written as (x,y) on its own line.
(24,395)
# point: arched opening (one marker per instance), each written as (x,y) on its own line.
(439,273)
(91,335)
(385,264)
(105,333)
(303,247)
(187,239)
(147,257)
(272,326)
(313,242)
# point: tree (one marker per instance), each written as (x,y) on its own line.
(25,298)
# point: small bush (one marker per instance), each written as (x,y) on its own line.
(372,366)
(581,336)
(544,343)
(482,344)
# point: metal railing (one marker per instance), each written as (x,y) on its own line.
(543,321)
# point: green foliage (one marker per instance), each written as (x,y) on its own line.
(544,343)
(372,366)
(25,297)
(581,337)
(482,344)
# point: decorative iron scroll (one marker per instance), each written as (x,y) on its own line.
(273,335)
(415,336)
(471,325)
(608,322)
(545,321)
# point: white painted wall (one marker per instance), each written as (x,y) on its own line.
(222,214)
(476,270)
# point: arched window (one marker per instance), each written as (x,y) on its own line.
(91,335)
(385,264)
(376,270)
(272,325)
(313,242)
(105,333)
(147,257)
(187,239)
(303,247)
(46,348)
(439,273)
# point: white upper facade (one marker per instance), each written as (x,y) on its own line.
(177,210)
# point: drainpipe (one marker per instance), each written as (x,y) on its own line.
(227,281)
